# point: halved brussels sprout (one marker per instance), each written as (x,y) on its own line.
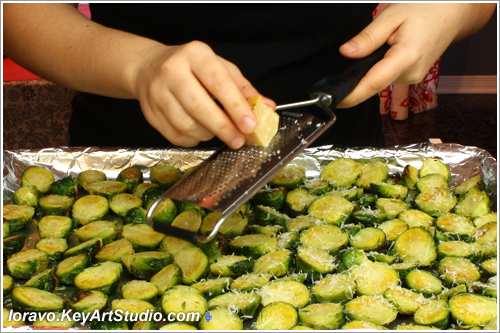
(369,217)
(417,219)
(90,208)
(32,299)
(322,316)
(164,175)
(433,313)
(193,263)
(391,207)
(372,172)
(91,247)
(331,209)
(27,196)
(436,202)
(23,265)
(135,216)
(232,227)
(298,201)
(416,245)
(55,204)
(423,282)
(269,216)
(471,251)
(277,316)
(71,267)
(253,246)
(131,176)
(105,230)
(484,219)
(249,282)
(141,188)
(458,271)
(173,244)
(142,236)
(473,203)
(65,186)
(51,226)
(472,309)
(449,293)
(318,186)
(115,251)
(146,264)
(374,309)
(121,203)
(5,229)
(54,247)
(167,277)
(374,278)
(150,195)
(103,277)
(487,234)
(302,223)
(368,239)
(342,172)
(393,228)
(405,300)
(186,300)
(270,197)
(381,257)
(188,220)
(213,287)
(431,181)
(165,212)
(276,263)
(434,165)
(269,230)
(18,216)
(243,303)
(468,184)
(314,261)
(288,240)
(456,224)
(215,248)
(88,301)
(292,292)
(59,320)
(39,177)
(107,188)
(335,288)
(403,268)
(489,267)
(410,176)
(352,194)
(13,245)
(8,284)
(290,177)
(221,319)
(133,306)
(391,191)
(326,237)
(87,177)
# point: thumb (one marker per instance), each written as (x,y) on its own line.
(370,38)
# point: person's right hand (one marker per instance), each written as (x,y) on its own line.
(176,87)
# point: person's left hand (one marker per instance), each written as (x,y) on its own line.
(418,35)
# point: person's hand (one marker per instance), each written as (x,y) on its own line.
(418,35)
(176,87)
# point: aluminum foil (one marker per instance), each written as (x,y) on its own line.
(464,162)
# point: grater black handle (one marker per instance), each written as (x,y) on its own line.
(339,86)
(176,232)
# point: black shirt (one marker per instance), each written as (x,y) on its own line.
(282,48)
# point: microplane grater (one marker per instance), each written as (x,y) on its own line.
(229,178)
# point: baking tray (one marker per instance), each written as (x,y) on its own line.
(464,162)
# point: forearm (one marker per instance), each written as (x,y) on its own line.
(58,43)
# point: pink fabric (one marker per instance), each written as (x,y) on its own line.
(400,100)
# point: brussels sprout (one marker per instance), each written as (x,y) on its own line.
(173,244)
(25,264)
(288,240)
(54,247)
(277,316)
(456,224)
(374,278)
(5,229)
(215,248)
(67,186)
(51,226)
(331,209)
(115,251)
(90,208)
(436,202)
(491,326)
(103,277)
(269,216)
(276,263)
(39,177)
(164,175)
(458,270)
(135,216)
(27,196)
(142,237)
(8,284)
(188,220)
(410,176)
(423,282)
(342,172)
(71,267)
(393,228)
(290,177)
(354,194)
(249,282)
(269,230)
(18,216)
(449,293)
(472,309)
(13,245)
(489,267)
(433,313)
(12,322)
(473,203)
(150,195)
(59,320)
(221,319)
(391,207)
(367,201)
(253,245)
(362,325)
(407,302)
(369,239)
(131,176)
(87,177)
(91,247)
(468,184)
(372,172)
(417,219)
(32,299)
(167,277)
(133,306)
(243,303)
(109,325)
(184,299)
(213,287)
(384,190)
(326,237)
(335,288)
(105,230)
(434,165)
(381,257)
(416,245)
(107,188)
(369,217)
(231,265)
(374,309)
(431,181)
(487,234)
(323,316)
(141,188)
(232,227)
(184,206)
(166,212)
(352,257)
(302,223)
(484,219)
(146,264)
(88,301)
(298,201)
(471,251)
(193,263)
(318,186)
(270,197)
(483,289)
(314,261)
(292,292)
(55,204)
(121,203)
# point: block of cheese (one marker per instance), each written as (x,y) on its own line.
(267,123)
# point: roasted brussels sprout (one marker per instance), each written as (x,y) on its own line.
(221,319)
(372,172)
(436,201)
(51,226)
(32,299)
(342,172)
(9,318)
(88,301)
(43,281)
(416,245)
(146,264)
(423,282)
(269,216)
(434,165)
(166,212)
(213,287)
(410,176)
(87,177)
(131,176)
(326,237)
(54,247)
(25,264)
(270,197)
(71,267)
(59,320)
(91,247)
(374,309)
(431,181)
(104,277)
(39,177)
(331,209)
(314,261)
(232,227)
(433,313)
(142,236)
(457,225)
(322,316)
(391,207)
(472,309)
(18,216)
(385,190)
(115,251)
(13,245)
(107,188)
(298,201)
(55,204)
(167,277)
(8,284)
(253,246)
(184,299)
(243,303)
(405,300)
(90,208)
(292,292)
(302,223)
(454,270)
(277,316)
(393,228)
(251,281)
(290,177)
(193,263)
(188,220)
(107,231)
(335,288)
(121,203)
(276,263)
(374,278)
(134,307)
(288,240)
(135,216)
(27,196)
(67,186)
(164,175)
(473,203)
(368,239)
